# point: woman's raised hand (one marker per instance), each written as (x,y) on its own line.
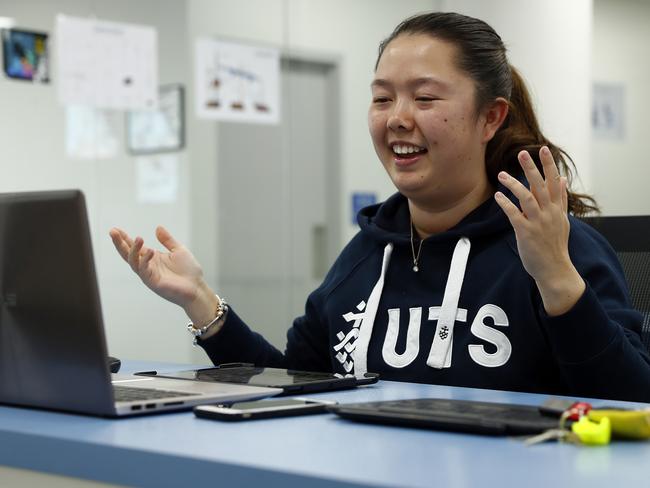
(174,275)
(542,231)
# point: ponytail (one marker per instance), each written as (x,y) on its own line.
(520,131)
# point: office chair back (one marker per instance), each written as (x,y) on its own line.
(630,238)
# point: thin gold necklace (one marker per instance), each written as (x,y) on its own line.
(416,257)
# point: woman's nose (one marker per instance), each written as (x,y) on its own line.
(401,118)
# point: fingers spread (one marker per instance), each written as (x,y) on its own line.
(527,200)
(120,244)
(551,174)
(534,177)
(125,237)
(146,257)
(134,254)
(514,215)
(166,239)
(132,251)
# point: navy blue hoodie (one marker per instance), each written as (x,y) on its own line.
(471,316)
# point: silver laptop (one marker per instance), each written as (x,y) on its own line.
(52,346)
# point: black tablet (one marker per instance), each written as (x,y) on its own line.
(290,380)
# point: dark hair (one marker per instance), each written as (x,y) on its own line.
(482,55)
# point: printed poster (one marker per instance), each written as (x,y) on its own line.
(237,82)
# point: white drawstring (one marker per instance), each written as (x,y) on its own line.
(360,353)
(445,328)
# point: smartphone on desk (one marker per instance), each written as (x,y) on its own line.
(262,409)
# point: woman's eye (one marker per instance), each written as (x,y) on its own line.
(425,99)
(380,99)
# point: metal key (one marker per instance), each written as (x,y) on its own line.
(552,435)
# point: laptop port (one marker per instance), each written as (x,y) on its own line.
(149,406)
(136,407)
(171,404)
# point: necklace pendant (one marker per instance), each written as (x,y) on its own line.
(416,257)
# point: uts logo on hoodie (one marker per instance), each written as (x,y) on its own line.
(406,321)
(352,350)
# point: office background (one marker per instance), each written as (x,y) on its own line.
(266,209)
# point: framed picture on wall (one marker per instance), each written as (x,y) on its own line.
(161,129)
(25,55)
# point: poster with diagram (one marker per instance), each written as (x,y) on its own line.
(237,82)
(106,64)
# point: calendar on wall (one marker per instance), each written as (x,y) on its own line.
(106,64)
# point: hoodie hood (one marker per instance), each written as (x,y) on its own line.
(389,221)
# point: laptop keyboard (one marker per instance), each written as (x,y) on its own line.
(451,415)
(131,394)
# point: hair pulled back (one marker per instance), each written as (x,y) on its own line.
(482,55)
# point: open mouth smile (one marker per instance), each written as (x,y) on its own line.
(404,153)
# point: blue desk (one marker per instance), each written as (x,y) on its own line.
(322,450)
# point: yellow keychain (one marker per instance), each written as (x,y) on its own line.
(593,433)
(625,424)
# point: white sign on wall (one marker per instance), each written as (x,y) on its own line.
(157,178)
(237,82)
(106,64)
(607,113)
(91,133)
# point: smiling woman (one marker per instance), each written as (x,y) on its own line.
(475,273)
(422,100)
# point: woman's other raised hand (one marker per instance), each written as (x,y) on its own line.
(542,230)
(175,274)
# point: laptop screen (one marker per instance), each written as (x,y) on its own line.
(52,345)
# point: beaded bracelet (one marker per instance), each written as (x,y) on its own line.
(222,309)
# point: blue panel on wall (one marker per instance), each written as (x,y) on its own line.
(361,200)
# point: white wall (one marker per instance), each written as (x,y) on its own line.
(32,157)
(620,56)
(549,42)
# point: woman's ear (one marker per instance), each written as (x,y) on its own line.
(494,116)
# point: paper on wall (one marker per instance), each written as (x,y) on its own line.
(91,133)
(106,64)
(157,178)
(608,111)
(237,82)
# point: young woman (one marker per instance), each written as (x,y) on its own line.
(474,273)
